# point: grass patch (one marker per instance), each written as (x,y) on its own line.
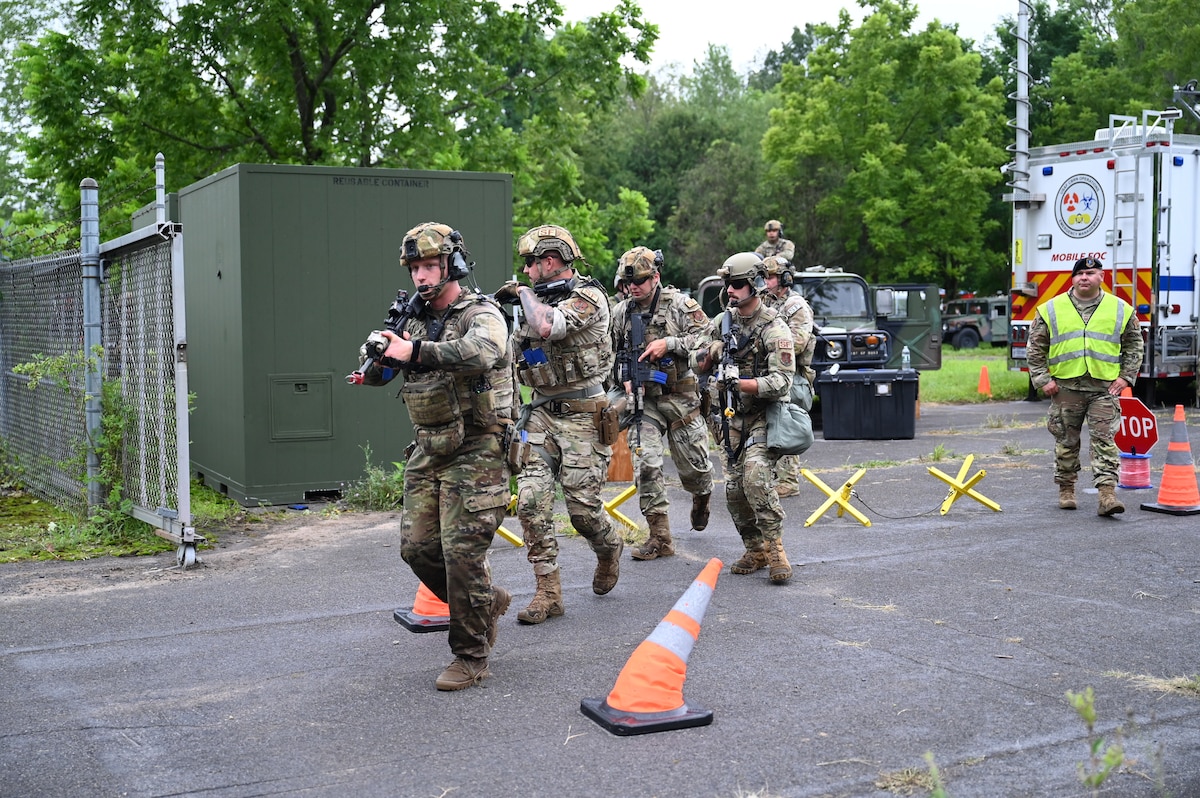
(957,382)
(31,529)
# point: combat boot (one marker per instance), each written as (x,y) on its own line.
(700,511)
(546,602)
(781,569)
(608,569)
(751,561)
(1109,503)
(659,543)
(463,673)
(501,598)
(1066,496)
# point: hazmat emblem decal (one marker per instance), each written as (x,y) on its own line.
(1079,207)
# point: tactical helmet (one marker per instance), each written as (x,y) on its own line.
(744,266)
(426,240)
(774,264)
(639,263)
(773,225)
(548,238)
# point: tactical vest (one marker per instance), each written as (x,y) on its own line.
(751,352)
(679,375)
(444,405)
(1076,348)
(578,359)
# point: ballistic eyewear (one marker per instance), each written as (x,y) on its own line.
(737,284)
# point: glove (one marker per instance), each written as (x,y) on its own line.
(508,294)
(729,376)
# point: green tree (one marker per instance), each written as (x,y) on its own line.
(451,84)
(793,51)
(896,126)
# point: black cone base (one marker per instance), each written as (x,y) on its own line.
(420,623)
(1155,507)
(625,724)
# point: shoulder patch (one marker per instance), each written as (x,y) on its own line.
(581,305)
(698,316)
(785,356)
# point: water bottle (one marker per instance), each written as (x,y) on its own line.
(905,358)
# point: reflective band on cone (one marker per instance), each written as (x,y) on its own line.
(1178,494)
(428,614)
(648,695)
(1135,472)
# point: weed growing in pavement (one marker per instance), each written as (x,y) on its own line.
(379,489)
(1103,760)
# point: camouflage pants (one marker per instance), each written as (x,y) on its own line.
(688,443)
(567,450)
(1068,411)
(787,472)
(452,508)
(750,486)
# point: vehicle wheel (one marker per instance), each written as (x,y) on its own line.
(966,339)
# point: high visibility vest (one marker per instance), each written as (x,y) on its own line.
(1077,349)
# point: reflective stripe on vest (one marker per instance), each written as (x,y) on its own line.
(1077,349)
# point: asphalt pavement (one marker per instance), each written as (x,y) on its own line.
(276,668)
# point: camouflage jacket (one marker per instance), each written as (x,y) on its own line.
(582,357)
(797,314)
(782,248)
(765,352)
(677,318)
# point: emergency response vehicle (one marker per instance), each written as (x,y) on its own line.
(1130,198)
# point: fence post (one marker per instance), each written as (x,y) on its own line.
(89,252)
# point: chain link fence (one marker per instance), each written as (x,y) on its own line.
(50,431)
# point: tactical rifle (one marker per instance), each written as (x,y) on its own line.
(637,372)
(399,313)
(728,368)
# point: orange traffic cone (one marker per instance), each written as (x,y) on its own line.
(1178,494)
(985,383)
(428,614)
(648,695)
(620,468)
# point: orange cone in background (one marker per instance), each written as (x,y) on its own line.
(620,468)
(1178,494)
(985,383)
(648,695)
(428,614)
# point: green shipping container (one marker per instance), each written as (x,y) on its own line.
(288,269)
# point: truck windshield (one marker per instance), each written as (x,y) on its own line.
(837,298)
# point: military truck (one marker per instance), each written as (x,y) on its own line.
(860,326)
(966,323)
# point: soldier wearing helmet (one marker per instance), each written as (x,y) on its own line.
(672,325)
(795,311)
(458,388)
(750,351)
(776,244)
(564,354)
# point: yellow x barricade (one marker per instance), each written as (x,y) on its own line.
(959,487)
(841,497)
(611,507)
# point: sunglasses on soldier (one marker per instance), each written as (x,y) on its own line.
(639,281)
(737,284)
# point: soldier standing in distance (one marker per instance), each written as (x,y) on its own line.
(795,311)
(459,393)
(1085,347)
(776,244)
(757,371)
(564,353)
(674,324)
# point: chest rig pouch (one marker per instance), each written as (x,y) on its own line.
(436,413)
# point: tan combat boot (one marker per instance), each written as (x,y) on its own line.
(463,673)
(608,569)
(546,602)
(1109,503)
(659,543)
(750,562)
(501,598)
(700,510)
(1066,496)
(781,569)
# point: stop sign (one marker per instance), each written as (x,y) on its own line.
(1139,428)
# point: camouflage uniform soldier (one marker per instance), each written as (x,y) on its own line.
(674,324)
(1085,347)
(459,392)
(794,309)
(564,354)
(776,244)
(757,371)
